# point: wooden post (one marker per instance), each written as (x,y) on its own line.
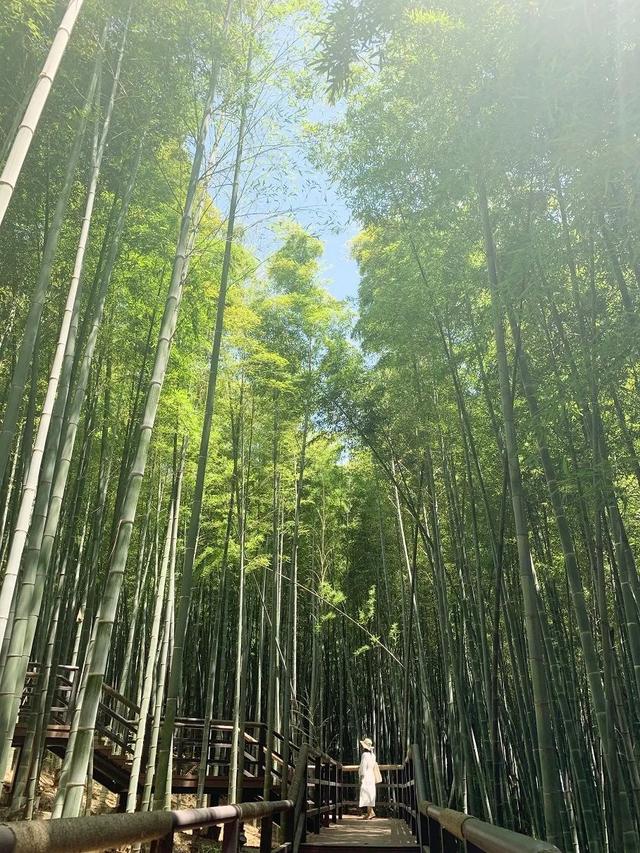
(449,842)
(303,799)
(420,791)
(423,830)
(231,837)
(435,836)
(317,793)
(393,794)
(266,833)
(412,796)
(262,746)
(68,716)
(163,845)
(326,791)
(177,768)
(333,790)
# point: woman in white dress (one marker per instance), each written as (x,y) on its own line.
(367,776)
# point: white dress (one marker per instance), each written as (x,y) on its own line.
(367,780)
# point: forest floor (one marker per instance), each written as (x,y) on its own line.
(104,801)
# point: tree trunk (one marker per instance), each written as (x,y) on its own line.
(120,549)
(545,739)
(29,123)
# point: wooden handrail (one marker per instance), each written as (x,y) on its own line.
(131,725)
(219,724)
(436,827)
(86,834)
(110,691)
(484,836)
(316,753)
(96,833)
(117,724)
(353,768)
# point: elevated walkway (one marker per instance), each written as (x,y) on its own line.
(116,730)
(311,820)
(389,835)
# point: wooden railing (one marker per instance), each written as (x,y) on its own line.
(314,798)
(84,834)
(351,785)
(117,720)
(63,694)
(444,830)
(117,724)
(325,790)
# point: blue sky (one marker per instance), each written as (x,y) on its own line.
(304,194)
(317,206)
(323,212)
(281,182)
(340,270)
(326,216)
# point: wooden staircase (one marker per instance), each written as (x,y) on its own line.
(116,728)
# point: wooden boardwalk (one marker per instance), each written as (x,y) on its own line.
(390,834)
(115,735)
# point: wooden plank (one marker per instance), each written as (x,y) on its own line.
(352,832)
(314,847)
(187,784)
(353,768)
(131,725)
(106,688)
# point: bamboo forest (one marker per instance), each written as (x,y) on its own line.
(320,425)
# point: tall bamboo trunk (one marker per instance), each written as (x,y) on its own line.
(119,553)
(175,679)
(236,758)
(292,636)
(545,738)
(213,673)
(27,128)
(151,653)
(159,690)
(274,626)
(39,553)
(589,651)
(31,485)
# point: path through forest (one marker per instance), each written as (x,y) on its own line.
(241,518)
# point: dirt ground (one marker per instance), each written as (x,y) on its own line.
(104,802)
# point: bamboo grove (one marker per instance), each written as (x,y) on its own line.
(229,495)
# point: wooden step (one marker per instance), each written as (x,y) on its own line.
(358,848)
(386,835)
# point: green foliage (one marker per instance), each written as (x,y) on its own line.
(369,455)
